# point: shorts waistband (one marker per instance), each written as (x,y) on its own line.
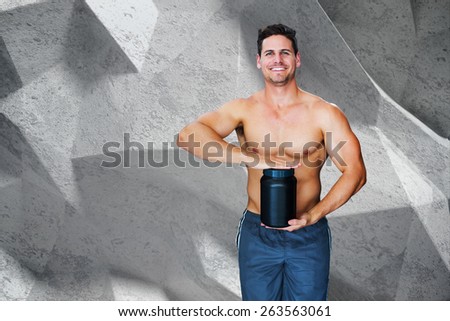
(252,216)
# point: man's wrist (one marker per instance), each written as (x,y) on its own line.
(314,215)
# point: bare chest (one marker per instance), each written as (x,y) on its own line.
(292,132)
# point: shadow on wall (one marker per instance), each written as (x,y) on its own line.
(405,46)
(39,36)
(9,78)
(167,225)
(31,204)
(35,36)
(90,50)
(386,255)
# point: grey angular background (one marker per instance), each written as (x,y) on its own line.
(77,74)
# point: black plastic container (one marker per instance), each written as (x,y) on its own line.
(278,197)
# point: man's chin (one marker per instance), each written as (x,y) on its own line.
(279,82)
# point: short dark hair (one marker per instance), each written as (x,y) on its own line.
(277,29)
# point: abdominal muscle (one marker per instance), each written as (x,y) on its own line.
(308,190)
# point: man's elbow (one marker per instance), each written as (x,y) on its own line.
(362,180)
(183,137)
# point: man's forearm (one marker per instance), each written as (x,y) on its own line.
(347,185)
(205,143)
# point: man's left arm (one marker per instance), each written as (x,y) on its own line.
(343,148)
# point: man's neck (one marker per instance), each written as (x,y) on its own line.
(281,96)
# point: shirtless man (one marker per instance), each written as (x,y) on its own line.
(283,126)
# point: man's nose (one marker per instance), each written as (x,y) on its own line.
(277,57)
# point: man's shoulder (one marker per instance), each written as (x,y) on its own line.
(322,108)
(324,112)
(241,104)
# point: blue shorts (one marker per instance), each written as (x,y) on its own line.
(278,265)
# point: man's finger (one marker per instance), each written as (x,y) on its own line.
(302,222)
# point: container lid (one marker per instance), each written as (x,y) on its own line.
(278,172)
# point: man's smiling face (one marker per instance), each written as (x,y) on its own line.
(278,60)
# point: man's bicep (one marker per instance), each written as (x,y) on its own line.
(341,143)
(347,154)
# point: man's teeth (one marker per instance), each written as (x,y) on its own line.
(277,69)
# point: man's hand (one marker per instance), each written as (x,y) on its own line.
(295,224)
(257,160)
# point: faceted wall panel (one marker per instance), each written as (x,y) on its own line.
(405,46)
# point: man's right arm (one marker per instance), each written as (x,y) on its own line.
(205,136)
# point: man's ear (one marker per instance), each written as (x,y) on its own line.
(258,61)
(298,59)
